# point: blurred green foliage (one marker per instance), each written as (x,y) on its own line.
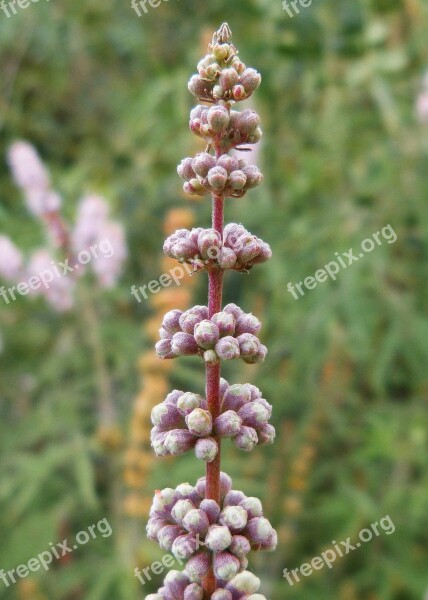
(102,94)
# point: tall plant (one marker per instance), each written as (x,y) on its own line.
(210,525)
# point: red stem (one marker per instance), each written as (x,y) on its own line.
(215,292)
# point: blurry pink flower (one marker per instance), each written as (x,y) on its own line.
(92,214)
(32,177)
(10,259)
(422,107)
(58,291)
(108,266)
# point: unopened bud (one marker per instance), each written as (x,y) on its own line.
(180,510)
(239,92)
(234,517)
(258,530)
(199,422)
(228,78)
(218,538)
(167,535)
(266,434)
(229,163)
(227,424)
(175,583)
(183,344)
(198,566)
(211,358)
(221,594)
(193,592)
(184,546)
(217,177)
(202,163)
(218,92)
(254,176)
(185,169)
(253,506)
(251,80)
(171,321)
(227,348)
(206,449)
(237,180)
(188,402)
(211,509)
(209,242)
(225,323)
(225,565)
(246,438)
(234,497)
(218,118)
(254,414)
(196,522)
(236,396)
(240,546)
(200,87)
(246,583)
(164,349)
(227,258)
(248,344)
(179,441)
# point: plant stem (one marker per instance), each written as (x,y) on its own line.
(215,292)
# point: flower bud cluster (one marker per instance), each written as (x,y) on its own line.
(230,128)
(206,534)
(228,334)
(222,75)
(178,586)
(182,422)
(205,249)
(226,175)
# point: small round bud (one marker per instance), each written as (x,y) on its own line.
(259,357)
(227,258)
(166,416)
(189,319)
(180,510)
(227,348)
(179,441)
(271,543)
(265,253)
(246,583)
(199,422)
(239,92)
(237,180)
(164,349)
(248,344)
(193,592)
(167,535)
(196,522)
(258,530)
(228,78)
(185,169)
(202,163)
(225,565)
(186,491)
(183,344)
(253,175)
(218,118)
(184,546)
(206,334)
(175,583)
(188,402)
(255,137)
(211,509)
(251,80)
(171,320)
(218,92)
(218,538)
(154,525)
(254,414)
(209,242)
(234,517)
(240,546)
(266,434)
(227,424)
(221,51)
(222,594)
(158,444)
(253,506)
(206,449)
(249,248)
(235,397)
(233,309)
(198,566)
(234,497)
(225,323)
(200,87)
(246,438)
(229,163)
(217,177)
(249,121)
(248,323)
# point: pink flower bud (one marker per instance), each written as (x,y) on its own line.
(246,439)
(225,485)
(246,583)
(193,592)
(264,255)
(211,509)
(198,566)
(234,517)
(164,349)
(247,323)
(217,178)
(200,87)
(229,163)
(249,248)
(154,525)
(227,424)
(218,92)
(196,521)
(179,441)
(253,506)
(235,397)
(239,92)
(259,357)
(167,535)
(225,565)
(222,594)
(183,344)
(248,344)
(164,334)
(253,175)
(218,538)
(251,80)
(266,434)
(171,321)
(225,323)
(227,348)
(254,414)
(271,543)
(233,498)
(175,583)
(158,444)
(199,422)
(240,546)
(185,169)
(188,402)
(237,180)
(255,137)
(228,78)
(209,242)
(227,258)
(190,318)
(218,118)
(180,510)
(233,309)
(258,530)
(166,416)
(186,491)
(184,546)
(202,163)
(206,449)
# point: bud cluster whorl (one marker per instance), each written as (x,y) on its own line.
(182,422)
(228,334)
(210,535)
(206,249)
(178,586)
